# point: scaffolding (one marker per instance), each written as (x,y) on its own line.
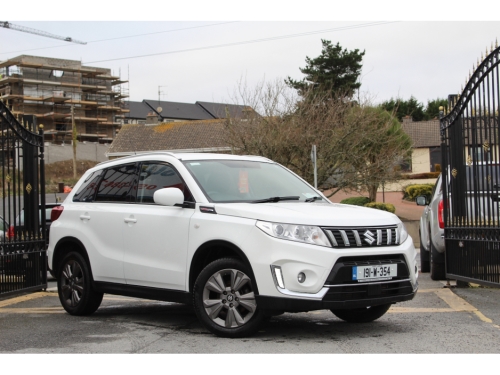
(48,88)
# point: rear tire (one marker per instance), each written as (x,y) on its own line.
(438,271)
(424,258)
(224,299)
(363,314)
(74,285)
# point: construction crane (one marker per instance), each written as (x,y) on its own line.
(11,26)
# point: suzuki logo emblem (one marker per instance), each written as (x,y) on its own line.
(369,237)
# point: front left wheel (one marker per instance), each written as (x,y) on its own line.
(224,299)
(75,287)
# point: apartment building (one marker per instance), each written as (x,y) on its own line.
(60,93)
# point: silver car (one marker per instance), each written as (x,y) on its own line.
(431,232)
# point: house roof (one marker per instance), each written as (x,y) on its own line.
(172,136)
(178,111)
(138,110)
(186,111)
(423,133)
(221,110)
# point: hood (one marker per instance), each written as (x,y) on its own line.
(321,214)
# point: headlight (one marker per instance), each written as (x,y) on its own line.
(403,233)
(299,233)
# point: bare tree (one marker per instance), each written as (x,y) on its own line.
(351,140)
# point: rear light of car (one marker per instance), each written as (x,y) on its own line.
(11,233)
(440,214)
(56,212)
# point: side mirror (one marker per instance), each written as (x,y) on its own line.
(168,196)
(421,200)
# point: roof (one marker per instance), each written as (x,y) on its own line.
(221,110)
(186,111)
(173,136)
(138,110)
(179,111)
(423,133)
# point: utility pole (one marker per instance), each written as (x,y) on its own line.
(74,139)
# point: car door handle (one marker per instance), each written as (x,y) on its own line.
(130,220)
(85,217)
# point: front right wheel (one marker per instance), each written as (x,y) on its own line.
(363,314)
(224,299)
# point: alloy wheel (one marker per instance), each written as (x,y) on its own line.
(228,298)
(72,283)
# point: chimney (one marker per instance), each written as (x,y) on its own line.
(152,119)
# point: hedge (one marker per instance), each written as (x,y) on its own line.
(382,206)
(356,201)
(411,192)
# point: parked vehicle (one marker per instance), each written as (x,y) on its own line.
(240,237)
(431,231)
(19,221)
(4,229)
(478,205)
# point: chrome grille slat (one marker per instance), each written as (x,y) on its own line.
(343,237)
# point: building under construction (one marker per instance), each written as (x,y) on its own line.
(60,93)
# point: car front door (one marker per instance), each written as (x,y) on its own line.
(155,236)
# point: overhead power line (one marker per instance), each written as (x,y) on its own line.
(246,42)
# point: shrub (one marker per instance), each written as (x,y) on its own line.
(356,201)
(411,192)
(382,206)
(437,168)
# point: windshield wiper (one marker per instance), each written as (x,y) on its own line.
(312,199)
(276,199)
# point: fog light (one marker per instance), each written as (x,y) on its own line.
(301,277)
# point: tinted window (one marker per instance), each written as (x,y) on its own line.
(116,184)
(87,191)
(154,176)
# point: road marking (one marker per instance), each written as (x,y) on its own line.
(397,309)
(33,310)
(25,298)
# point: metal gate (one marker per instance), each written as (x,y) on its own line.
(471,169)
(23,258)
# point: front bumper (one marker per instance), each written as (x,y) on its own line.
(302,305)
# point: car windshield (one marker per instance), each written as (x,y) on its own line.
(249,181)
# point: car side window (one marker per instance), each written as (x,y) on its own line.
(86,192)
(116,184)
(154,176)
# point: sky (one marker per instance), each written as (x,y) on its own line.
(200,51)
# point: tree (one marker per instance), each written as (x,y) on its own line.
(384,147)
(432,108)
(336,70)
(402,108)
(358,145)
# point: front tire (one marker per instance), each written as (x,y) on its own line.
(363,314)
(74,286)
(224,299)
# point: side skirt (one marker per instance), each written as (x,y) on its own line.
(156,294)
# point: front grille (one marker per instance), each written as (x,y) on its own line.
(368,291)
(343,237)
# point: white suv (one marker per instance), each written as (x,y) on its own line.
(241,238)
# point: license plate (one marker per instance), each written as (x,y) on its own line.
(378,272)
